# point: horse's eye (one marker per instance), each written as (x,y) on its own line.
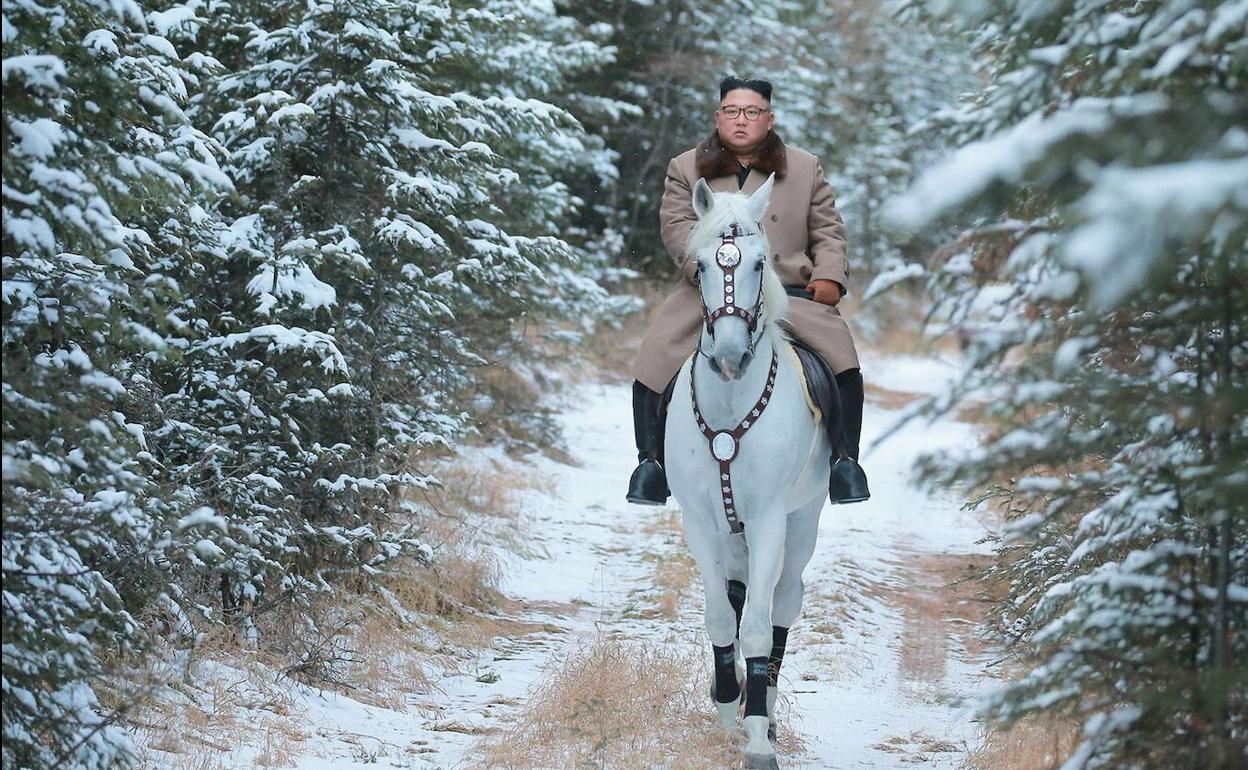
(759,267)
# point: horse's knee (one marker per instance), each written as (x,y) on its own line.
(721,627)
(787,604)
(755,633)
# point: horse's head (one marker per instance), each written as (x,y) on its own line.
(741,296)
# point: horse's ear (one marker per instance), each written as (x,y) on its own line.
(703,198)
(758,201)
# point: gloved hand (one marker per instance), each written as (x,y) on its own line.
(826,291)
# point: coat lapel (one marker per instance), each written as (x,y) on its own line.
(753,181)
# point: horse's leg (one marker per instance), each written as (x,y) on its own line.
(799,546)
(736,597)
(732,550)
(720,619)
(765,537)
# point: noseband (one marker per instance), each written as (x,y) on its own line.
(728,257)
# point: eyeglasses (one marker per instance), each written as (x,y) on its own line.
(751,113)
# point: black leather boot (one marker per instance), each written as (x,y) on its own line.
(648,485)
(848,481)
(840,400)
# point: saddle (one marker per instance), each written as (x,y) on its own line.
(821,393)
(824,398)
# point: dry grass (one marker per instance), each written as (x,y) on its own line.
(198,723)
(1031,744)
(917,747)
(620,706)
(675,572)
(428,614)
(375,642)
(942,604)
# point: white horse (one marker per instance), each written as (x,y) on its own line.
(745,452)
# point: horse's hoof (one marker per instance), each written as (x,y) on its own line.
(726,716)
(761,762)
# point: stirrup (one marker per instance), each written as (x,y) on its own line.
(648,485)
(848,482)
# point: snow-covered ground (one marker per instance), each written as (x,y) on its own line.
(877,664)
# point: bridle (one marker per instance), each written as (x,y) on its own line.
(725,444)
(728,257)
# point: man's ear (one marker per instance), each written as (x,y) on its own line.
(757,203)
(703,198)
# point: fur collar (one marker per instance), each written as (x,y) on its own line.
(713,160)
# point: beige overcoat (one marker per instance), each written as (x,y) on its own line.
(807,239)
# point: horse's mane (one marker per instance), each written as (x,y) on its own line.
(731,208)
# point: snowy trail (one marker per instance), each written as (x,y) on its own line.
(877,661)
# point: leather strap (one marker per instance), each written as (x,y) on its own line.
(725,444)
(728,257)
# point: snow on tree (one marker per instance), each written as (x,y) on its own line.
(1100,283)
(860,84)
(99,163)
(254,254)
(654,101)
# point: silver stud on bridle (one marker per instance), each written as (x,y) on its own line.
(726,444)
(728,257)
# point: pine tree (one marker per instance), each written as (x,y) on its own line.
(400,219)
(254,255)
(99,163)
(654,101)
(1101,286)
(861,85)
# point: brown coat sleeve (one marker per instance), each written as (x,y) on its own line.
(827,234)
(676,218)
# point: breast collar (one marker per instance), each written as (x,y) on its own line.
(725,444)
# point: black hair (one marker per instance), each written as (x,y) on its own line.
(732,82)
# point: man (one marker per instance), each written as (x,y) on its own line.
(808,244)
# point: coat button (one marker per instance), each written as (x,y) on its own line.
(775,218)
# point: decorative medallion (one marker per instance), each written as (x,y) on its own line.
(728,255)
(724,446)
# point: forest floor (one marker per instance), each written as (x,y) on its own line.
(596,656)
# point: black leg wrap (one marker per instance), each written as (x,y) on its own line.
(727,688)
(779,638)
(756,687)
(736,597)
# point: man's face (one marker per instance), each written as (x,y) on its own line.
(740,134)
